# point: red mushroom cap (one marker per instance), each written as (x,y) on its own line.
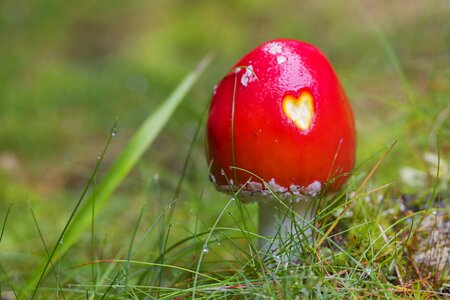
(291,125)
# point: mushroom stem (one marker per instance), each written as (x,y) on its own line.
(274,218)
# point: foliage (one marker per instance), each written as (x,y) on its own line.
(70,70)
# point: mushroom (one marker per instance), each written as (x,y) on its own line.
(280,127)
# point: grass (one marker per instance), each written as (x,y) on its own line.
(149,224)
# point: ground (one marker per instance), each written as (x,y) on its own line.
(71,71)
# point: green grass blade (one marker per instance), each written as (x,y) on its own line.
(36,224)
(4,222)
(126,160)
(6,281)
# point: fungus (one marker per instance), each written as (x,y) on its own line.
(280,127)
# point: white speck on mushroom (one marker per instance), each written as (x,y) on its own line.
(313,188)
(215,89)
(295,189)
(253,186)
(248,76)
(274,48)
(276,187)
(281,59)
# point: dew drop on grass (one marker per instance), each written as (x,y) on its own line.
(205,249)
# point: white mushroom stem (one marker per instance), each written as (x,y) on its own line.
(291,221)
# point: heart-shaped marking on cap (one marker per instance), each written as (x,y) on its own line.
(300,110)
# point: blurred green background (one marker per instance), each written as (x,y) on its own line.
(70,69)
